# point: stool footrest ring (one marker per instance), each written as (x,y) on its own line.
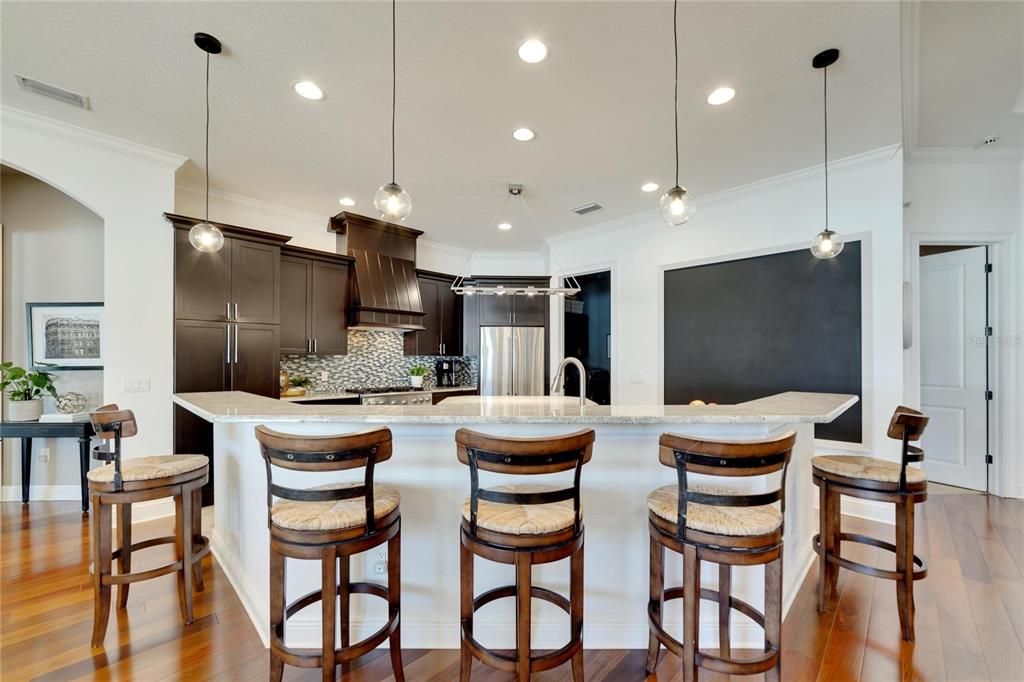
(920,572)
(201,549)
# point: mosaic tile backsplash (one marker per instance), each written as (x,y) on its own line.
(375,358)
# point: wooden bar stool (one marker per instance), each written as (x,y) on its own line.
(328,523)
(708,523)
(523,525)
(121,484)
(870,478)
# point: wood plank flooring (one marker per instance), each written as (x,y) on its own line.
(970,620)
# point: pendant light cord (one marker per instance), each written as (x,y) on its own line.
(675,51)
(825,112)
(394,81)
(207,137)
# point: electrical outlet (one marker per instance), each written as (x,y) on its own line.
(44,456)
(380,568)
(381,554)
(324,376)
(135,384)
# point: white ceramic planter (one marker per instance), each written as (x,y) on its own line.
(24,410)
(417,382)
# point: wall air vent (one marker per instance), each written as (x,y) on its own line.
(587,208)
(53,92)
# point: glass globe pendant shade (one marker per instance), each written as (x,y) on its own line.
(827,244)
(206,237)
(677,206)
(393,202)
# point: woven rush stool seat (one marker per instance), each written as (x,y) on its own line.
(120,484)
(333,514)
(867,468)
(760,520)
(522,519)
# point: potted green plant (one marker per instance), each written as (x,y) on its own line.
(25,391)
(301,384)
(416,374)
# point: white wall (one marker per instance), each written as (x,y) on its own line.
(968,201)
(129,186)
(778,214)
(53,251)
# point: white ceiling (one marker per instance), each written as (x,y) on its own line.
(600,104)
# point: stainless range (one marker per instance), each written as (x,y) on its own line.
(393,395)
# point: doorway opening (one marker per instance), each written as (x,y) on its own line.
(588,335)
(955,363)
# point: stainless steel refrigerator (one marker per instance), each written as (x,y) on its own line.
(512,361)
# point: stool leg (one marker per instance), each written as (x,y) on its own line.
(691,611)
(773,615)
(576,609)
(395,603)
(344,591)
(657,597)
(824,543)
(466,609)
(905,566)
(277,606)
(183,550)
(197,532)
(523,622)
(101,539)
(329,585)
(835,520)
(124,543)
(724,610)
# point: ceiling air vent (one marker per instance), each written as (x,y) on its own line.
(587,208)
(53,92)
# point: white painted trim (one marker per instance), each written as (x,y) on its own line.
(40,493)
(244,202)
(986,155)
(869,510)
(19,118)
(258,612)
(152,509)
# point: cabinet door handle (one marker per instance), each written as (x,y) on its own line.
(227,311)
(309,345)
(236,312)
(236,344)
(227,345)
(314,345)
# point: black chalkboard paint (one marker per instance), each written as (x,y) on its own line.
(749,328)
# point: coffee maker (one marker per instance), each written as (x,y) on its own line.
(444,370)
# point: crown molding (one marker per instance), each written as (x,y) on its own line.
(231,199)
(848,164)
(48,127)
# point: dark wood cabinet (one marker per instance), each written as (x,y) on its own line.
(530,311)
(255,359)
(495,311)
(202,281)
(501,311)
(255,282)
(314,295)
(442,333)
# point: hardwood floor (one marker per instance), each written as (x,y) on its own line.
(970,617)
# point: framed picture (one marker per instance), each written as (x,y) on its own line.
(64,336)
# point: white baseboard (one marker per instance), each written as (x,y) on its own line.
(870,510)
(259,613)
(151,509)
(41,493)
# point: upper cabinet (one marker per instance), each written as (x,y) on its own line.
(502,311)
(442,322)
(314,295)
(239,283)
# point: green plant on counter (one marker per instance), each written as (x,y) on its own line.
(20,384)
(301,382)
(418,371)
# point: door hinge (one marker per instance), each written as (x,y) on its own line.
(988,459)
(988,331)
(988,267)
(988,395)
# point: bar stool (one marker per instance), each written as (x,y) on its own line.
(708,523)
(870,478)
(523,525)
(122,483)
(328,523)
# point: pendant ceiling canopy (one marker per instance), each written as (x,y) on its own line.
(827,243)
(206,236)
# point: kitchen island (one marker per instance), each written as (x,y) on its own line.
(615,484)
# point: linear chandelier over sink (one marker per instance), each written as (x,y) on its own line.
(467,286)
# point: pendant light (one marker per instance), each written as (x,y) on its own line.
(205,236)
(826,244)
(677,205)
(391,201)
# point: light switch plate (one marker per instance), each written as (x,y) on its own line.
(135,384)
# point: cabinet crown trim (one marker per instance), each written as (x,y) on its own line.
(184,222)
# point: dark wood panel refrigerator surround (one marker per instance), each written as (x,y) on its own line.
(227,311)
(442,319)
(314,297)
(744,329)
(504,311)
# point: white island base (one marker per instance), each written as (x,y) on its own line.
(615,484)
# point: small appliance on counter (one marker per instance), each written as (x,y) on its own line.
(444,371)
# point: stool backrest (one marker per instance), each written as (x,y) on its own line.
(324,453)
(906,425)
(112,424)
(728,459)
(528,456)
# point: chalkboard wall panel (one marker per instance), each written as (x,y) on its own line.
(749,328)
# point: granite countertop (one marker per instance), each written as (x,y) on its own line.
(784,408)
(341,395)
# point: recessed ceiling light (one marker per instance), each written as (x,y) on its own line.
(721,96)
(533,51)
(504,226)
(523,134)
(347,201)
(649,187)
(309,90)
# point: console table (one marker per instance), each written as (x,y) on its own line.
(26,431)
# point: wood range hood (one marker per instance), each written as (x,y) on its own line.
(386,293)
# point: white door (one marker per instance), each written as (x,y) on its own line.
(953,371)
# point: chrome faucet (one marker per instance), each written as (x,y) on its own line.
(560,377)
